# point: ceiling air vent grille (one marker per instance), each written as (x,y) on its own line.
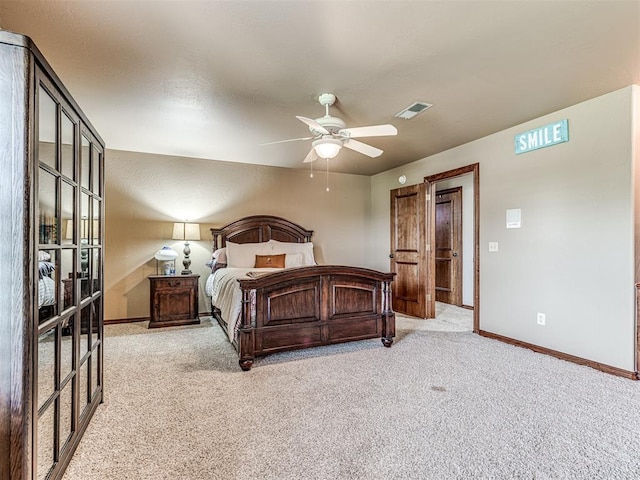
(413,110)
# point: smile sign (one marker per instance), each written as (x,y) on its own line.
(541,137)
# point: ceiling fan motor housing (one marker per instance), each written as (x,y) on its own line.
(332,124)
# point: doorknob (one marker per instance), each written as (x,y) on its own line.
(455,254)
(391,255)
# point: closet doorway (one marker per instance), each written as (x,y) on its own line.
(448,246)
(445,180)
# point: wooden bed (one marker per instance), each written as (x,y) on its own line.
(306,306)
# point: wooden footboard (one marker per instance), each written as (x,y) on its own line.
(313,306)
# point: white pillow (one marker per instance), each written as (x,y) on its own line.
(306,249)
(293,260)
(243,255)
(220,255)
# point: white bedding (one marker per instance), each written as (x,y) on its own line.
(224,290)
(46,291)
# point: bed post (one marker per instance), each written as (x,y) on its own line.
(388,316)
(246,340)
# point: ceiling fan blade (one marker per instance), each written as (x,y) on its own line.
(370,131)
(362,148)
(314,125)
(285,141)
(312,156)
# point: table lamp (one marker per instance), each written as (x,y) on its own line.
(186,231)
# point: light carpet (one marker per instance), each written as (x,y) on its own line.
(436,405)
(449,318)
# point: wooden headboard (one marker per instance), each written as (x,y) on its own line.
(258,229)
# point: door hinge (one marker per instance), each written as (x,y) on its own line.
(428,297)
(428,196)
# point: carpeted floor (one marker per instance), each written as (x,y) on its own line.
(436,405)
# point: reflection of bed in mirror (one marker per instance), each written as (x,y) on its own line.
(269,295)
(46,286)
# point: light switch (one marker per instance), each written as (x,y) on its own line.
(493,246)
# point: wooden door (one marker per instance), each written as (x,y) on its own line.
(448,246)
(409,252)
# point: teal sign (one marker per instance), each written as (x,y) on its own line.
(542,137)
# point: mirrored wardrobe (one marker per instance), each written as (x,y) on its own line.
(51,255)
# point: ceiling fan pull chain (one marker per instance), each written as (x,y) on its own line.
(327,174)
(311,175)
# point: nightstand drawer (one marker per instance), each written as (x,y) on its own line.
(175,283)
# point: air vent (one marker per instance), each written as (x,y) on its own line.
(413,110)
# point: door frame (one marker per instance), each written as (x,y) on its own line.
(431,181)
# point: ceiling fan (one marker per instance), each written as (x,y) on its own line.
(329,134)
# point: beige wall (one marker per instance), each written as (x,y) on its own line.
(145,194)
(573,258)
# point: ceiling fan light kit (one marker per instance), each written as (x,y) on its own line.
(327,147)
(330,134)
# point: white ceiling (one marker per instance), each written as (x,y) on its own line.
(214,79)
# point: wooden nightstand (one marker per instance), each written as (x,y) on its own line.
(173,300)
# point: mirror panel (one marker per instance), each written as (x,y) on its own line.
(95,319)
(94,371)
(85,161)
(68,147)
(95,225)
(47,121)
(67,201)
(46,366)
(66,414)
(84,387)
(84,218)
(95,171)
(67,262)
(47,195)
(84,242)
(95,271)
(47,285)
(45,455)
(85,290)
(66,348)
(85,346)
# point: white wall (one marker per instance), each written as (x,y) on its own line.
(573,258)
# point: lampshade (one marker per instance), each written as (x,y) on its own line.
(84,226)
(166,253)
(186,231)
(68,235)
(327,147)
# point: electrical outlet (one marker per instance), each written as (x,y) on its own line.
(542,319)
(493,246)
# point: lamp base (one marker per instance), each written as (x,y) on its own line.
(186,263)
